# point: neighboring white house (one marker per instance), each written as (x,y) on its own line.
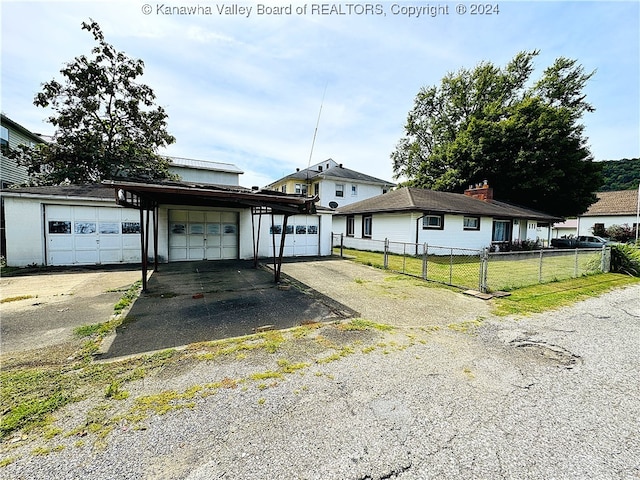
(335,185)
(201,171)
(612,208)
(413,215)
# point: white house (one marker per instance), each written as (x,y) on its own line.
(335,185)
(612,208)
(413,215)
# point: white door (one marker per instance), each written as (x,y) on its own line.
(81,235)
(202,235)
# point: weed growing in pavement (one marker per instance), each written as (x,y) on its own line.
(360,324)
(465,327)
(17,298)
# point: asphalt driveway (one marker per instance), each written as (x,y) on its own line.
(191,302)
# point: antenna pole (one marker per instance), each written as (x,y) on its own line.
(315,132)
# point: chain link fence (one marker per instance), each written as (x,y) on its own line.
(474,269)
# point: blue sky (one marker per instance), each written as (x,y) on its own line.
(248,91)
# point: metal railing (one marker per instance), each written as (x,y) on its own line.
(475,269)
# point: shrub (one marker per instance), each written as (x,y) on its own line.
(625,259)
(620,233)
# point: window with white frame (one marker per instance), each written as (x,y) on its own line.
(339,190)
(366,226)
(283,189)
(351,222)
(471,223)
(301,188)
(433,222)
(354,190)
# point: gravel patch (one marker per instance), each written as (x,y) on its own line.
(548,396)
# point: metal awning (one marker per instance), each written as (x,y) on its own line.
(147,197)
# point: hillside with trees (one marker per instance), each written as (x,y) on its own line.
(620,174)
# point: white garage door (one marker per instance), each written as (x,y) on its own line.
(302,238)
(79,235)
(202,235)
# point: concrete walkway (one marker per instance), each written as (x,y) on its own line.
(386,297)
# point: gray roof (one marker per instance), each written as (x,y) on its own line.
(100,191)
(337,172)
(93,191)
(204,165)
(430,201)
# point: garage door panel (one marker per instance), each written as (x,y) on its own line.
(198,235)
(91,235)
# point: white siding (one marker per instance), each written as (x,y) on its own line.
(364,190)
(24,232)
(205,176)
(401,227)
(586,223)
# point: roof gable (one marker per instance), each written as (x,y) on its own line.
(336,171)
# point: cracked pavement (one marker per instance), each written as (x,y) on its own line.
(553,395)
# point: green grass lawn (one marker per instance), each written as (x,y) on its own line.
(503,272)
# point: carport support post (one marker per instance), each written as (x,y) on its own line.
(284,233)
(143,250)
(155,237)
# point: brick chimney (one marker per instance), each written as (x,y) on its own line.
(481,191)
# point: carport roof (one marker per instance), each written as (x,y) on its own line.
(146,195)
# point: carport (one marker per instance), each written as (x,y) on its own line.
(147,197)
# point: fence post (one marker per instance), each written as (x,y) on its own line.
(342,245)
(386,253)
(424,261)
(575,265)
(540,268)
(605,265)
(451,268)
(484,263)
(404,258)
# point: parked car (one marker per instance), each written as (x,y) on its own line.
(582,241)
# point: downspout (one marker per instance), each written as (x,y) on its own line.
(418,231)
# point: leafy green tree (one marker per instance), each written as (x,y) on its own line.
(620,174)
(107,124)
(489,124)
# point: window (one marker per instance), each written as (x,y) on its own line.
(130,227)
(354,190)
(63,228)
(283,189)
(501,231)
(275,230)
(350,226)
(471,223)
(312,230)
(85,228)
(4,137)
(316,189)
(339,190)
(301,229)
(433,222)
(366,226)
(301,188)
(110,228)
